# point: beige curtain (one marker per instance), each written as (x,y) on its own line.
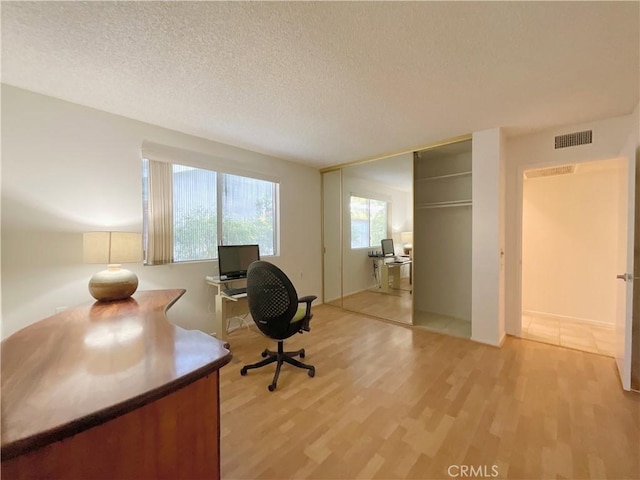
(160,221)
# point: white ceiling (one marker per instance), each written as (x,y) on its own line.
(324,83)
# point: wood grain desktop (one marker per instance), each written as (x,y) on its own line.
(111,390)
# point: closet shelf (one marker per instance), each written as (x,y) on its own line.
(453,203)
(449,175)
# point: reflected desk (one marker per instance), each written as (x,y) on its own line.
(112,390)
(227,307)
(390,270)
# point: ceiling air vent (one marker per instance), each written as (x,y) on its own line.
(550,171)
(574,139)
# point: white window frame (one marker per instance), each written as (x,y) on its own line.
(195,160)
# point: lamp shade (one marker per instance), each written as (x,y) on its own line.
(112,248)
(407,242)
(406,237)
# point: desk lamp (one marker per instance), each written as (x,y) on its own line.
(112,248)
(407,242)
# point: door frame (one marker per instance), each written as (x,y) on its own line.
(623,363)
(624,331)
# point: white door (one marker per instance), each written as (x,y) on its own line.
(625,277)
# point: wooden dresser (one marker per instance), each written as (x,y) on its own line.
(112,390)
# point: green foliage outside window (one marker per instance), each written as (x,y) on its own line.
(195,236)
(244,213)
(368,222)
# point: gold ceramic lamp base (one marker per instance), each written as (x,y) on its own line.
(114,283)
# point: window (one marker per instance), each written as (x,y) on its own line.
(368,222)
(192,210)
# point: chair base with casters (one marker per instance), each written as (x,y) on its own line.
(280,357)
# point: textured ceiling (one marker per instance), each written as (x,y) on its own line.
(324,83)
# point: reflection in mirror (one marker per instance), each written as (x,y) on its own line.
(377,204)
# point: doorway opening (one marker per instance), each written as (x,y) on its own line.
(570,253)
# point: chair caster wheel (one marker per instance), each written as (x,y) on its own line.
(264,354)
(243,371)
(302,354)
(312,372)
(271,388)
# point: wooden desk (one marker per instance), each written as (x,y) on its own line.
(111,390)
(226,307)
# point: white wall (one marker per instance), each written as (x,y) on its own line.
(69,169)
(487,291)
(537,150)
(570,243)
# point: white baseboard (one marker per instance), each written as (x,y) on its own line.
(488,342)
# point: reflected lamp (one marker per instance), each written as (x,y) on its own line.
(112,249)
(407,242)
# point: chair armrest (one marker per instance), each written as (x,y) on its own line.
(308,299)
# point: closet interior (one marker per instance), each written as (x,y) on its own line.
(442,239)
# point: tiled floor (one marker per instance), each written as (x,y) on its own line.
(443,324)
(568,333)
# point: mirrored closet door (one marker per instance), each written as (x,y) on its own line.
(422,202)
(332,237)
(367,203)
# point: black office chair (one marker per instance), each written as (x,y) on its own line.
(278,313)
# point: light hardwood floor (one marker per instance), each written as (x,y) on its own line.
(391,401)
(396,305)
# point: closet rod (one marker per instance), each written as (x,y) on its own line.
(440,177)
(445,205)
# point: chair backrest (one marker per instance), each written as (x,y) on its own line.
(272,299)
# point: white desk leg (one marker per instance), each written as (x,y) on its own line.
(220,323)
(384,278)
(396,277)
